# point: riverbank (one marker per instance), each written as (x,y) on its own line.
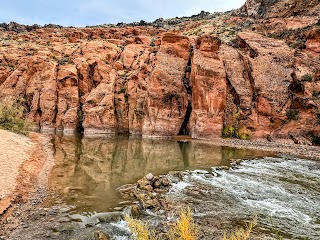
(25,162)
(96,192)
(304,151)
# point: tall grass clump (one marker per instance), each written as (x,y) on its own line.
(183,229)
(241,233)
(139,229)
(12,116)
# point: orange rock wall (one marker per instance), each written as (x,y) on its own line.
(145,81)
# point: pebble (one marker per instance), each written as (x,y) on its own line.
(99,235)
(149,188)
(165,181)
(215,174)
(118,208)
(149,177)
(222,168)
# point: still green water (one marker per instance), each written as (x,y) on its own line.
(88,171)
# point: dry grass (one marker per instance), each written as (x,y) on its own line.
(241,233)
(140,230)
(185,227)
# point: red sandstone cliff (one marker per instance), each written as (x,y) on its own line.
(209,76)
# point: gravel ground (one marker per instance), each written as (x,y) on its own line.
(304,151)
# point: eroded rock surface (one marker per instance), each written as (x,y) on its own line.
(208,76)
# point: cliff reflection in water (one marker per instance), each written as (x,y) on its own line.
(88,171)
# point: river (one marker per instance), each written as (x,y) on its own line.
(282,191)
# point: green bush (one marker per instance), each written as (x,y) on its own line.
(235,132)
(306,78)
(229,131)
(242,133)
(12,116)
(315,139)
(315,93)
(293,114)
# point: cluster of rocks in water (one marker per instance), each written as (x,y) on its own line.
(149,193)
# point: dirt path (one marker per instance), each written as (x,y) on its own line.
(25,163)
(14,151)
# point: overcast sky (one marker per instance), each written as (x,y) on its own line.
(94,12)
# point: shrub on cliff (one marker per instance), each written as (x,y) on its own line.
(306,78)
(235,132)
(293,114)
(12,116)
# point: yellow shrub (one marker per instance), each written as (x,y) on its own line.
(240,233)
(139,229)
(185,228)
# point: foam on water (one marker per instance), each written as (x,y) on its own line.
(284,189)
(178,187)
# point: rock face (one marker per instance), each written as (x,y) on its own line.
(208,82)
(279,8)
(150,81)
(270,82)
(167,97)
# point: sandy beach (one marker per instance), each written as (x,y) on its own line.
(22,162)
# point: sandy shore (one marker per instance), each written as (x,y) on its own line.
(23,166)
(14,150)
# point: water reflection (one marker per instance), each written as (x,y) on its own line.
(88,171)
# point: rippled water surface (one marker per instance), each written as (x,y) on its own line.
(283,192)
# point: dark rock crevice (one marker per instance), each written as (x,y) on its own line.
(80,115)
(91,71)
(232,90)
(184,130)
(248,75)
(56,110)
